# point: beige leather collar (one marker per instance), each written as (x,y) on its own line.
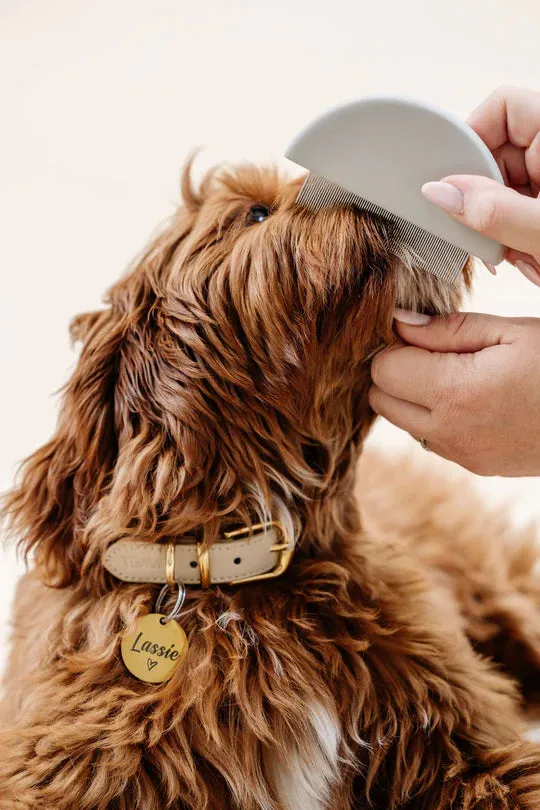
(265,553)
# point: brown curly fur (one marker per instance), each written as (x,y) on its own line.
(224,382)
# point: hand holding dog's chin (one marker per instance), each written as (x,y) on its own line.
(470,386)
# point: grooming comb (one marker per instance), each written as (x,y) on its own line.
(376,154)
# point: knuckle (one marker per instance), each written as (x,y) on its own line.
(504,91)
(376,371)
(373,400)
(379,368)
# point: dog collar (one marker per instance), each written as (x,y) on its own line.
(265,553)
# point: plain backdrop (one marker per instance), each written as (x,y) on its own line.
(102,101)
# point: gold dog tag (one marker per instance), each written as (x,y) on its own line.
(154,649)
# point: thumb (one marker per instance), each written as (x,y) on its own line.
(490,208)
(459,332)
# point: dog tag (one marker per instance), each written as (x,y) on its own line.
(154,649)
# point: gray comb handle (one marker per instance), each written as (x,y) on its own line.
(433,254)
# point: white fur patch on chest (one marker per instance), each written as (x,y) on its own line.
(305,779)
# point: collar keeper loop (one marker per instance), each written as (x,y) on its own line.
(203,556)
(169,566)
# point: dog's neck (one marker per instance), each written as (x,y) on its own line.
(319,511)
(305,479)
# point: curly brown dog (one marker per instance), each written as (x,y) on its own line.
(224,385)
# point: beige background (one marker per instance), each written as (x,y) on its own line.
(101,102)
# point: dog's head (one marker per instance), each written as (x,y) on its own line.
(226,379)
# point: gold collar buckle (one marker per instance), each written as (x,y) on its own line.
(285,548)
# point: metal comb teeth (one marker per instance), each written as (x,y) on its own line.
(438,256)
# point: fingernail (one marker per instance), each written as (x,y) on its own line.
(412,318)
(529,271)
(491,267)
(445,195)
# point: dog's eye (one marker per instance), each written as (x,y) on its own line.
(258,213)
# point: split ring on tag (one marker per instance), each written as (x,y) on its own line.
(154,649)
(180,599)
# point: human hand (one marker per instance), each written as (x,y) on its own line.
(469,385)
(508,122)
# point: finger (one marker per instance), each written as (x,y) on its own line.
(407,372)
(529,190)
(511,116)
(526,264)
(508,114)
(532,162)
(519,167)
(511,161)
(490,208)
(405,415)
(462,332)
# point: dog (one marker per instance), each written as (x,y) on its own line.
(224,386)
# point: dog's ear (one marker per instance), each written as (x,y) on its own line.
(62,483)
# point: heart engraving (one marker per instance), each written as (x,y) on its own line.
(153,642)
